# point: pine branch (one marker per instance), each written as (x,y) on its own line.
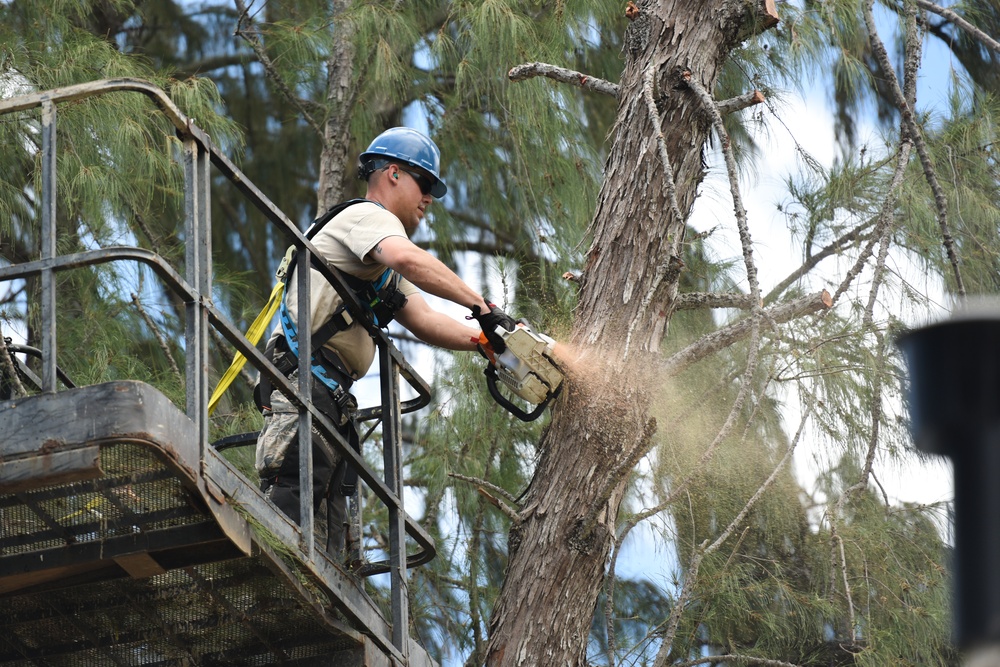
(609,610)
(638,518)
(743,659)
(885,496)
(509,511)
(884,227)
(691,576)
(673,264)
(875,409)
(699,300)
(673,621)
(940,200)
(973,31)
(883,222)
(648,81)
(722,338)
(676,489)
(837,246)
(207,65)
(752,323)
(705,548)
(252,37)
(609,587)
(912,45)
(883,232)
(563,75)
(159,337)
(480,247)
(750,504)
(843,573)
(482,225)
(734,185)
(503,493)
(737,408)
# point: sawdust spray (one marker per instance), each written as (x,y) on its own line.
(690,409)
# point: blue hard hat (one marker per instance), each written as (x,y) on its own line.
(404,144)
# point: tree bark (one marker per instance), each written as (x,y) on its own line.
(601,421)
(341,94)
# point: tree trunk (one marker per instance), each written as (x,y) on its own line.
(341,93)
(560,544)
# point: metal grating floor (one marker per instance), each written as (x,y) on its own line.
(136,494)
(236,612)
(113,551)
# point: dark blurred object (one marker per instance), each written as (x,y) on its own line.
(954,402)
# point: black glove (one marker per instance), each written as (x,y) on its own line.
(489,322)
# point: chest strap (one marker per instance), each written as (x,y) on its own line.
(341,320)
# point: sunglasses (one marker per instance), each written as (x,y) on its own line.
(423,182)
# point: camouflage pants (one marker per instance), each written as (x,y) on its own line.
(277,461)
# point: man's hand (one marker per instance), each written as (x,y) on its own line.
(489,321)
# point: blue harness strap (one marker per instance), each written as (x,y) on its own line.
(292,340)
(369,293)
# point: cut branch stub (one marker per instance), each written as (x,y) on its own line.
(761,18)
(734,104)
(509,511)
(771,17)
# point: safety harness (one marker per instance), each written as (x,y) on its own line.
(382,297)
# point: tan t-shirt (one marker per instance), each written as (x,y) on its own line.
(345,242)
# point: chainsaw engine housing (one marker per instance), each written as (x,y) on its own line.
(524,366)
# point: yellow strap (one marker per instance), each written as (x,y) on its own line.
(91,506)
(254,333)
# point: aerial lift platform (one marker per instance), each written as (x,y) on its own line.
(126,537)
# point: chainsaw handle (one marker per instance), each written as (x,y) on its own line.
(506,404)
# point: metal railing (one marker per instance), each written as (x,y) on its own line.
(195,289)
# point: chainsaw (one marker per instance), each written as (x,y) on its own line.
(525,367)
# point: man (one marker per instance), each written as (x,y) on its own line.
(368,240)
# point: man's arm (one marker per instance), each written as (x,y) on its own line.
(426,272)
(435,327)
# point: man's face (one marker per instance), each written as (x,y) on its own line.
(415,196)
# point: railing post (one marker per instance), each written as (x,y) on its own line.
(355,517)
(303,301)
(198,272)
(392,455)
(48,246)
